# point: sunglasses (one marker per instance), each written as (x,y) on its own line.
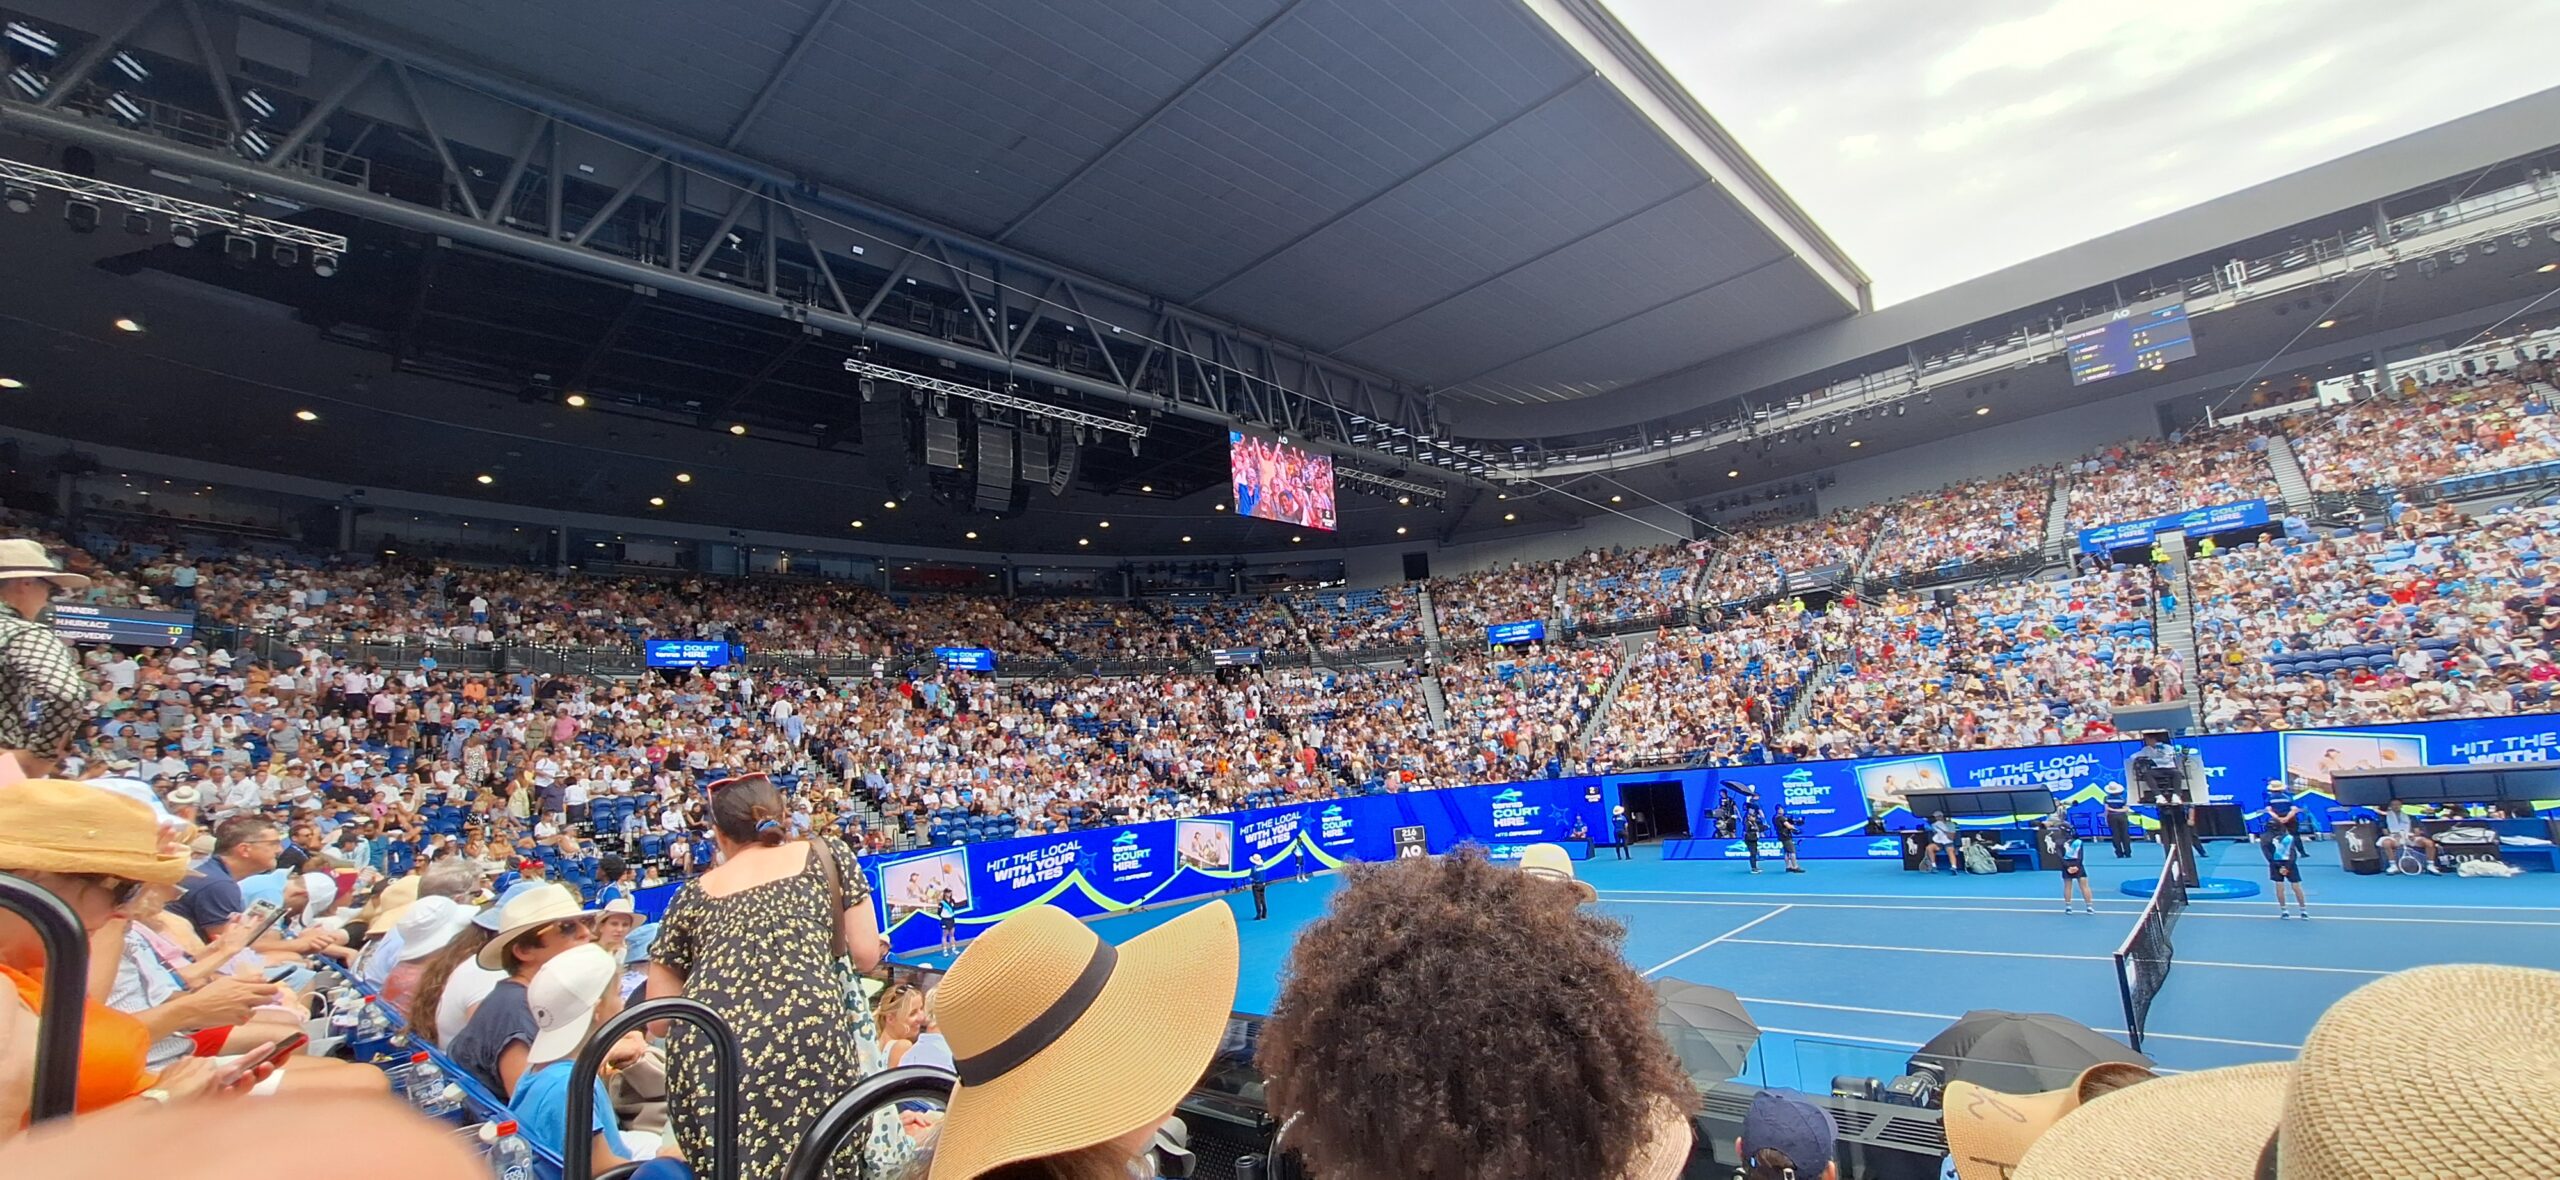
(123,892)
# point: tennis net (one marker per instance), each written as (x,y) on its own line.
(2142,963)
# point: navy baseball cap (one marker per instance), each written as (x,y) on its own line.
(1787,1122)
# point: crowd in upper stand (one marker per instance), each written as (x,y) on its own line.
(2195,468)
(2428,432)
(2433,614)
(1976,522)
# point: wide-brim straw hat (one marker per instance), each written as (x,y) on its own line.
(1554,863)
(24,558)
(535,908)
(54,826)
(2363,1102)
(1063,1041)
(1989,1131)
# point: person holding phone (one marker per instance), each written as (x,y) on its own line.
(243,846)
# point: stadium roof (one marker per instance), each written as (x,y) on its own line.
(1501,200)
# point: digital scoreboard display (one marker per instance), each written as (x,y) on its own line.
(1276,481)
(2146,337)
(1504,634)
(1235,657)
(966,659)
(80,622)
(686,653)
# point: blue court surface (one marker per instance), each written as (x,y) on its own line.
(1849,966)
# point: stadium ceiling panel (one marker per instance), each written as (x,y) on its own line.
(1342,175)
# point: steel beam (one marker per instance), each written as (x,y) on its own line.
(98,52)
(455,177)
(613,204)
(506,196)
(327,105)
(212,63)
(720,233)
(781,72)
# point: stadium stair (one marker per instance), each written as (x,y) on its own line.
(1858,569)
(2289,478)
(1630,648)
(1297,627)
(2057,521)
(1430,614)
(2177,631)
(1439,701)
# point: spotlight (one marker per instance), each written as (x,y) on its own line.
(1899,410)
(684,477)
(80,214)
(239,248)
(1133,444)
(485,478)
(888,503)
(324,263)
(865,386)
(657,501)
(306,415)
(284,255)
(182,234)
(137,222)
(2460,256)
(19,198)
(128,324)
(737,428)
(577,401)
(2489,247)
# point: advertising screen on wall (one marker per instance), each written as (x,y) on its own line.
(1276,481)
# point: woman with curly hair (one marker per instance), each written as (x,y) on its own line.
(1452,1019)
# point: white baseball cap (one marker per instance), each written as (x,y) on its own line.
(563,998)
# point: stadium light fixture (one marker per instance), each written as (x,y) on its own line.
(2546,268)
(324,264)
(80,214)
(306,415)
(657,501)
(1399,532)
(577,401)
(1187,538)
(20,198)
(128,324)
(971,534)
(1857,442)
(485,478)
(1733,475)
(1106,524)
(137,222)
(857,524)
(2328,323)
(1510,516)
(1979,411)
(1084,540)
(684,477)
(12,383)
(737,428)
(888,503)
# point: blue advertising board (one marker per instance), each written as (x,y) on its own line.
(686,653)
(1112,870)
(2219,518)
(966,659)
(1532,631)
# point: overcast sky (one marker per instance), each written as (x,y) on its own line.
(1937,140)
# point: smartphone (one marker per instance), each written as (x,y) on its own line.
(241,1069)
(261,918)
(280,972)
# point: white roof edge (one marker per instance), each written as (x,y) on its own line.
(1618,58)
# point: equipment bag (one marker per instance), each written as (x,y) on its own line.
(1978,858)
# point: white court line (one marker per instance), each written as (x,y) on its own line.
(1832,1036)
(1933,950)
(2129,911)
(2013,897)
(1727,935)
(1943,1016)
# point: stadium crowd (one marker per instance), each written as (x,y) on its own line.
(2197,467)
(1975,522)
(2420,433)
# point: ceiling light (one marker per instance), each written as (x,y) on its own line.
(1186,540)
(857,524)
(306,415)
(1399,530)
(182,234)
(2546,268)
(324,263)
(2328,323)
(577,401)
(1295,540)
(1146,487)
(1222,507)
(1979,411)
(1502,495)
(737,428)
(972,534)
(12,383)
(128,324)
(684,477)
(1106,524)
(1084,540)
(657,501)
(888,503)
(1404,499)
(1855,442)
(485,477)
(1733,475)
(1510,516)
(1617,499)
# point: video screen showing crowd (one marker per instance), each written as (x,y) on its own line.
(1276,481)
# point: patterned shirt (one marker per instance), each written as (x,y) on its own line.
(44,695)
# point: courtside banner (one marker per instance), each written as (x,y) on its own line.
(2197,522)
(1114,870)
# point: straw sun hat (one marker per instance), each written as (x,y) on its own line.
(2436,1071)
(1063,1041)
(530,912)
(1554,863)
(52,826)
(24,558)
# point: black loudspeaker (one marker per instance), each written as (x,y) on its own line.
(1062,474)
(942,442)
(1035,450)
(1417,567)
(995,467)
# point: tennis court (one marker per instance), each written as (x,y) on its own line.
(1851,965)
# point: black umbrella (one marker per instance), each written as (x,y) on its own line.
(2019,1052)
(1707,1027)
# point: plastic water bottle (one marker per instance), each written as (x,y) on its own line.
(342,1012)
(510,1157)
(427,1088)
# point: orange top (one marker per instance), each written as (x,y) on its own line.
(112,1048)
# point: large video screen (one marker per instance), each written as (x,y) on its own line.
(1276,481)
(2141,337)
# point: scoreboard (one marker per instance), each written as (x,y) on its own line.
(2141,337)
(80,622)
